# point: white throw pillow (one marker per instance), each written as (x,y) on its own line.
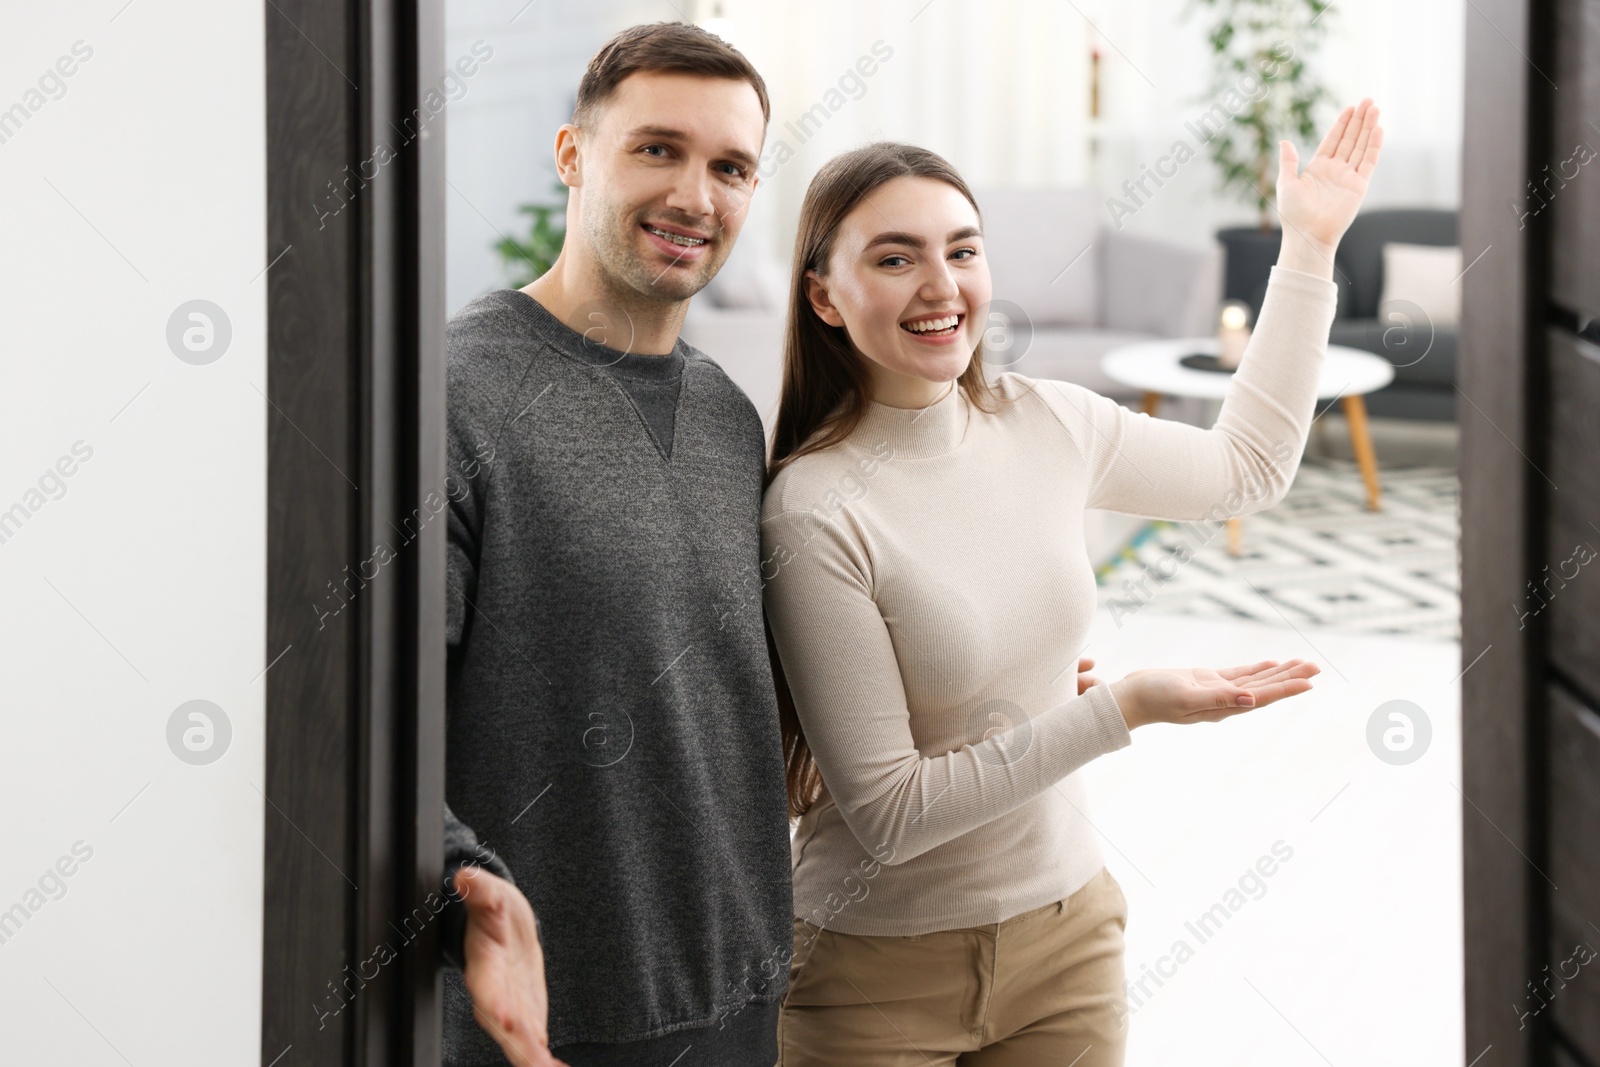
(1425,275)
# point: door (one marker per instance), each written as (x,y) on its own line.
(1530,472)
(356,533)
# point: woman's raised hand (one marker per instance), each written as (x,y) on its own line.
(1199,694)
(1320,202)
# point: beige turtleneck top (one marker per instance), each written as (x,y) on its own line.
(929,593)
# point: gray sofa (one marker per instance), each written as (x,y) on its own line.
(1424,385)
(1086,288)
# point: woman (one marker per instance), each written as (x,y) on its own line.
(929,591)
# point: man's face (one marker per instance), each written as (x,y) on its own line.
(667,171)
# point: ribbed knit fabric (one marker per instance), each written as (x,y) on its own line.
(929,593)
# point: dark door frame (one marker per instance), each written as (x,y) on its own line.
(1502,374)
(355,556)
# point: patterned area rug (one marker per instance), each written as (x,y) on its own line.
(1318,558)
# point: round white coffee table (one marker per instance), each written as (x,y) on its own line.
(1347,373)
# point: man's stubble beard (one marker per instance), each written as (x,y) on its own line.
(633,282)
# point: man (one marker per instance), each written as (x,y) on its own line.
(613,729)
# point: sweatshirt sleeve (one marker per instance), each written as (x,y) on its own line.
(461,847)
(840,663)
(470,452)
(1158,468)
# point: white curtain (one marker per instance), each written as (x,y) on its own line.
(1002,89)
(999,87)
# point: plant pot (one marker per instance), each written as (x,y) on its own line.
(1248,255)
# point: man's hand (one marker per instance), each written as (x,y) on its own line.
(504,969)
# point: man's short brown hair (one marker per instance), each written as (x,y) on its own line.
(662,46)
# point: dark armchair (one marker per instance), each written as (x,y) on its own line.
(1424,354)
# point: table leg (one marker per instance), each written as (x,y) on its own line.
(1235,536)
(1355,412)
(1152,403)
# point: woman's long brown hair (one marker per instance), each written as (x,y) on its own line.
(825,383)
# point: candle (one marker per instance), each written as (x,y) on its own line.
(1233,333)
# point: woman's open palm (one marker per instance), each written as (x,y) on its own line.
(1321,201)
(1200,694)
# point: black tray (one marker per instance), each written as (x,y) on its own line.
(1202,361)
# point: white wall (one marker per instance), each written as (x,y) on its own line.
(135,583)
(1001,87)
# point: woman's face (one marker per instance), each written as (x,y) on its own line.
(910,255)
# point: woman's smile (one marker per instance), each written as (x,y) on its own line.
(940,329)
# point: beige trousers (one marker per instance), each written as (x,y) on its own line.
(1041,988)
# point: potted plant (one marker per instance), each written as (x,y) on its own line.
(1268,44)
(527,259)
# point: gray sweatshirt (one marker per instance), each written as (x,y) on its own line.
(612,727)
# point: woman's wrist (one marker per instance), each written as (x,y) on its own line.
(1125,703)
(1302,253)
